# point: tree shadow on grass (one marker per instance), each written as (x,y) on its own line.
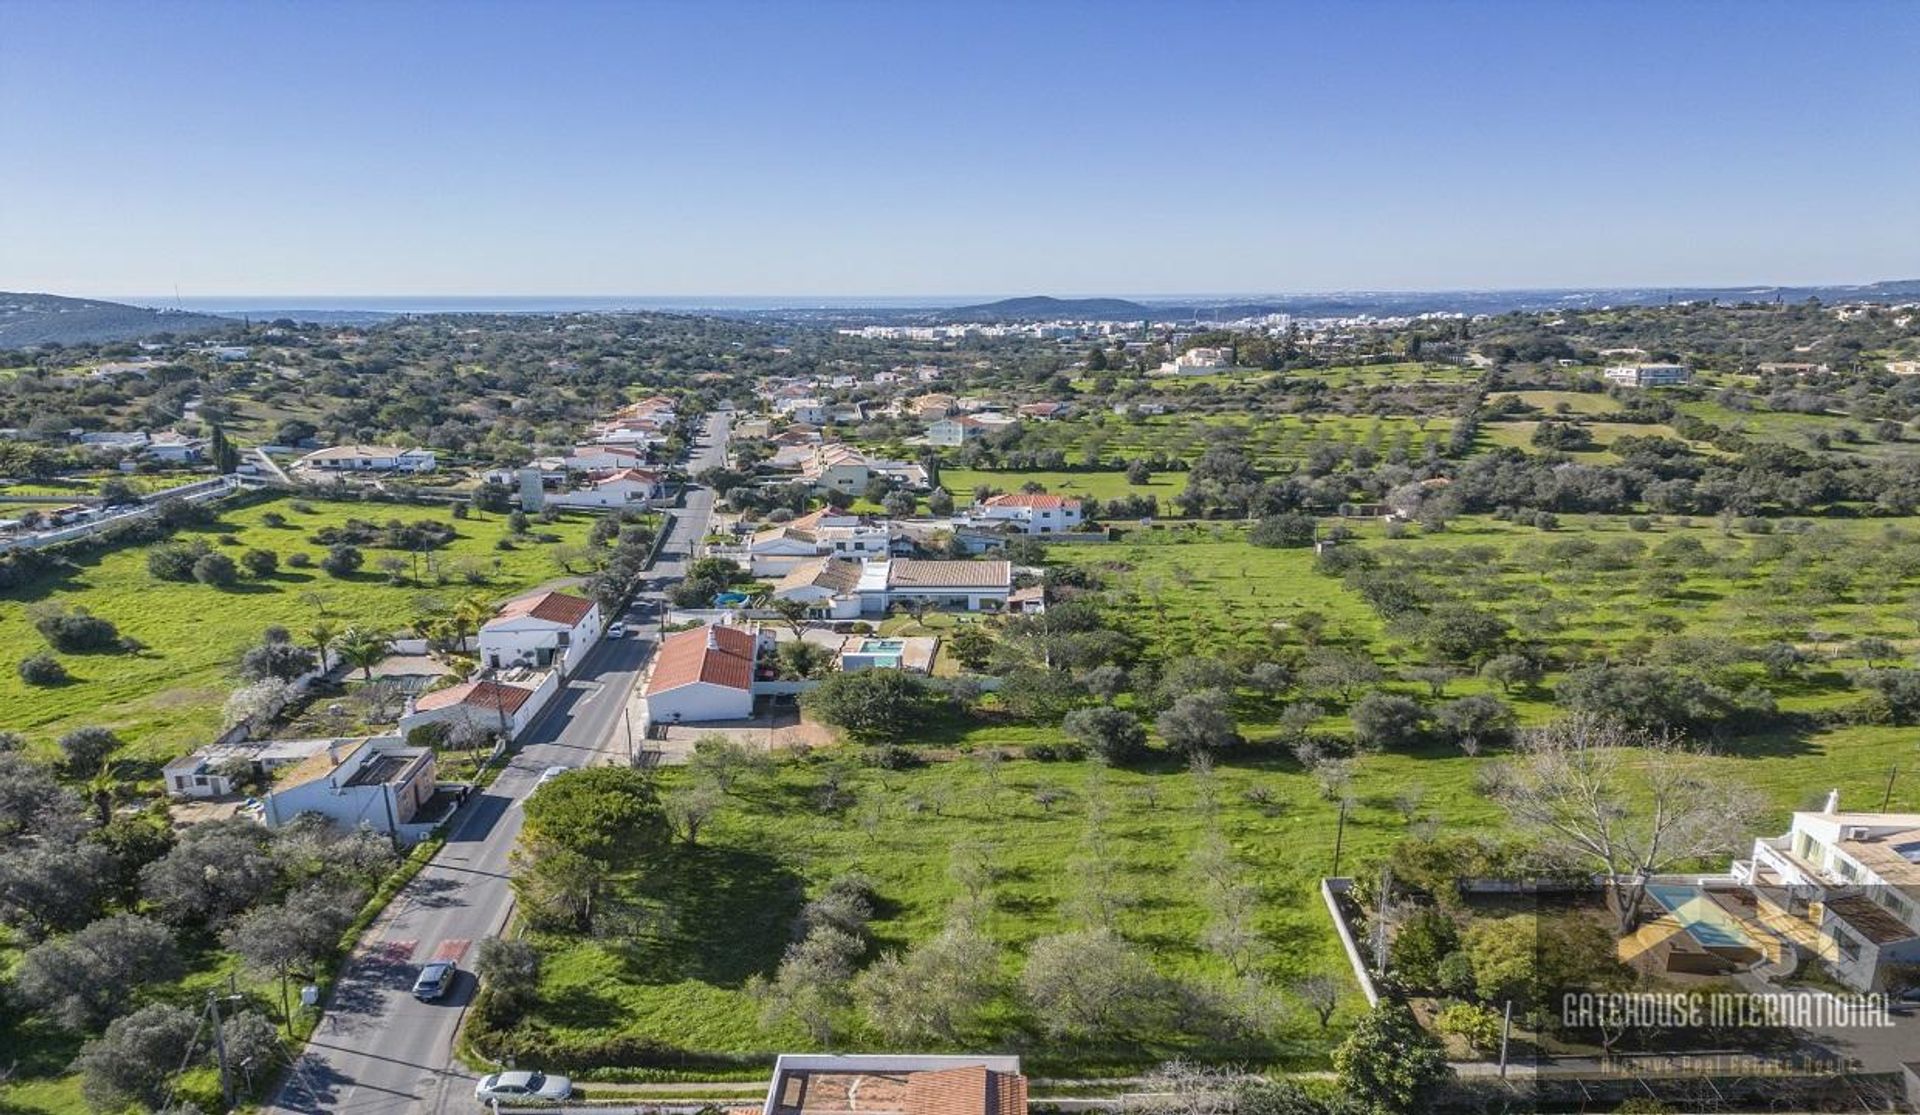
(719,915)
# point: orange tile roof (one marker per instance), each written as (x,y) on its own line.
(974,1090)
(714,654)
(490,695)
(1030,499)
(908,573)
(554,607)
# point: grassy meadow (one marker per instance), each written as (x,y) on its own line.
(167,697)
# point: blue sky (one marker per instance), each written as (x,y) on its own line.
(923,149)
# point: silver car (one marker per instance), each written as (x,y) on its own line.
(436,979)
(522,1087)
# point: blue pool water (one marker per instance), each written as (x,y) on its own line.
(1704,922)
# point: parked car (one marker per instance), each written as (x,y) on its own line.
(436,979)
(617,631)
(522,1087)
(549,775)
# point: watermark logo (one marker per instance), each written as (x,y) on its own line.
(1594,1010)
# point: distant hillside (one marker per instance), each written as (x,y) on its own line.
(1041,307)
(39,319)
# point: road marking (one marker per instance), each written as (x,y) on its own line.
(453,949)
(396,952)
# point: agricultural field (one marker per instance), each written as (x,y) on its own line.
(168,696)
(1101,485)
(1268,440)
(1519,435)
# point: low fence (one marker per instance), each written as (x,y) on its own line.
(1332,891)
(198,492)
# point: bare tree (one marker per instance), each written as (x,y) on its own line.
(1321,994)
(1627,800)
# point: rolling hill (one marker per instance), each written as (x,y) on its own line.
(27,320)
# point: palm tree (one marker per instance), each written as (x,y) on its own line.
(322,635)
(473,611)
(363,648)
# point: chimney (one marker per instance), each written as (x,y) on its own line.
(333,753)
(713,637)
(1833,801)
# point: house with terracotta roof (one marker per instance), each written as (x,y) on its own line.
(1029,512)
(704,673)
(828,586)
(956,431)
(544,630)
(503,705)
(368,458)
(378,782)
(837,468)
(895,1084)
(635,488)
(970,586)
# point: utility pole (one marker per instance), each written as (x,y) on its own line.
(220,1050)
(1506,1031)
(1887,799)
(1339,835)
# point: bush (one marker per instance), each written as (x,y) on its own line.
(1115,735)
(1479,1025)
(890,756)
(41,668)
(299,559)
(175,562)
(871,705)
(1056,752)
(1387,720)
(342,559)
(260,563)
(274,519)
(76,630)
(1288,530)
(218,570)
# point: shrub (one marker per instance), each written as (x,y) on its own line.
(274,519)
(175,562)
(1115,735)
(41,668)
(76,630)
(1479,1025)
(890,756)
(299,559)
(871,705)
(1288,530)
(215,569)
(341,560)
(1387,720)
(260,563)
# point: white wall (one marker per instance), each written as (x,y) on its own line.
(699,701)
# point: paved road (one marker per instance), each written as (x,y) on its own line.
(378,1050)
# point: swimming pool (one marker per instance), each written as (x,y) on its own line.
(1700,916)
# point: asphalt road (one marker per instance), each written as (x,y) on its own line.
(379,1050)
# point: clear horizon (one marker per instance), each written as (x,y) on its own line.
(439,150)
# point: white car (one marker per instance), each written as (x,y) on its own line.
(617,631)
(549,775)
(522,1087)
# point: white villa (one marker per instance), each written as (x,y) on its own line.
(544,629)
(369,458)
(1844,887)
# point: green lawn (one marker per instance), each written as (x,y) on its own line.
(167,698)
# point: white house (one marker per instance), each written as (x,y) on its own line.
(1844,887)
(896,1084)
(544,629)
(111,440)
(379,782)
(810,410)
(828,586)
(627,487)
(504,705)
(176,448)
(953,432)
(972,586)
(206,772)
(1649,375)
(369,458)
(837,468)
(1029,512)
(598,458)
(704,673)
(1198,362)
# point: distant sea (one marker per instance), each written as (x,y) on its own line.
(538,304)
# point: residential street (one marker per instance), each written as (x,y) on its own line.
(380,1050)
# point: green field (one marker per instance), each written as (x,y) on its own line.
(1269,440)
(167,697)
(1086,485)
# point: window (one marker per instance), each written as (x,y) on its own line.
(1849,945)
